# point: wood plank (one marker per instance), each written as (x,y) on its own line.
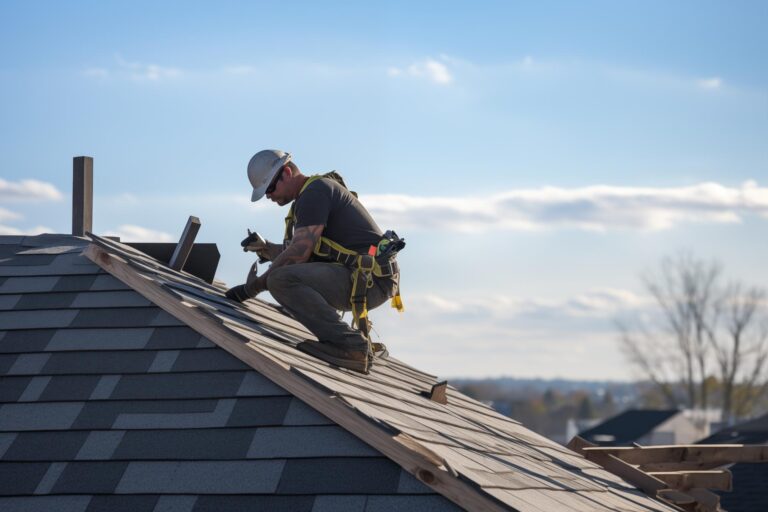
(649,484)
(724,453)
(412,460)
(718,480)
(709,501)
(639,498)
(680,466)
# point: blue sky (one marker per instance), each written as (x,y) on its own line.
(537,157)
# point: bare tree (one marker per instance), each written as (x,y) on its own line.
(702,329)
(742,351)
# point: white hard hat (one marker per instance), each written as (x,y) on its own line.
(263,168)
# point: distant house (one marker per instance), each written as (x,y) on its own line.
(645,427)
(750,489)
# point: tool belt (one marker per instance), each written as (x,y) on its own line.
(378,262)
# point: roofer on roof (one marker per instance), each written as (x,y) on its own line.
(333,258)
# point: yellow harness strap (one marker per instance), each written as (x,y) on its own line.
(364,266)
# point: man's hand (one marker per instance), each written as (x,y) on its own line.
(298,251)
(252,287)
(237,293)
(254,284)
(255,243)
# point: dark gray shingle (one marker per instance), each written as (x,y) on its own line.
(207,477)
(116,317)
(35,340)
(11,388)
(133,361)
(90,478)
(45,301)
(259,411)
(173,337)
(35,388)
(45,446)
(100,339)
(26,364)
(336,503)
(191,385)
(433,503)
(20,477)
(32,416)
(171,503)
(45,503)
(300,413)
(100,445)
(207,359)
(202,444)
(257,503)
(123,504)
(112,299)
(103,415)
(27,284)
(8,301)
(54,318)
(305,442)
(75,283)
(340,476)
(69,388)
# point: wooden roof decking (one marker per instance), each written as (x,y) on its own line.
(464,450)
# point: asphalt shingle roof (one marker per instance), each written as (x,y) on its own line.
(108,402)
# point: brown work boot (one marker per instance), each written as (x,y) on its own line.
(356,360)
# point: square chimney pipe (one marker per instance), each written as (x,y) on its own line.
(82,195)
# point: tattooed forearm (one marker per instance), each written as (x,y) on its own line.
(298,251)
(300,248)
(273,250)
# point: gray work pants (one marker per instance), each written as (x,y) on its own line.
(314,293)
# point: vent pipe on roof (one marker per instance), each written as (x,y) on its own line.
(82,195)
(184,247)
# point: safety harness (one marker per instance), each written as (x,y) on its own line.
(379,261)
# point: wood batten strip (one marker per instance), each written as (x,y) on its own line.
(699,453)
(721,480)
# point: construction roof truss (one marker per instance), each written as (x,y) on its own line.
(684,475)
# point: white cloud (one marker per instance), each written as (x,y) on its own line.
(8,215)
(504,335)
(134,70)
(25,190)
(28,190)
(7,230)
(710,83)
(430,69)
(132,233)
(597,303)
(593,208)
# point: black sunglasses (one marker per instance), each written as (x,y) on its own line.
(271,187)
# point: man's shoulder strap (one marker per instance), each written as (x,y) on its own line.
(333,175)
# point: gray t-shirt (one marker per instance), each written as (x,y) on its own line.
(346,220)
